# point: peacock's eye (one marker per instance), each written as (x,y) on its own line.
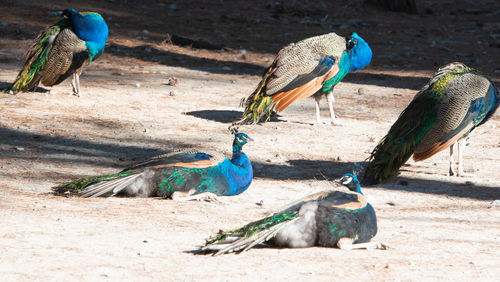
(352,43)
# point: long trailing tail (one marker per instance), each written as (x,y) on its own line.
(81,186)
(387,158)
(401,140)
(249,235)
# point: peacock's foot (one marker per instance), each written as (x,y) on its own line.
(451,172)
(335,122)
(463,174)
(347,244)
(205,196)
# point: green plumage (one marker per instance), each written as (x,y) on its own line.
(254,227)
(76,186)
(36,57)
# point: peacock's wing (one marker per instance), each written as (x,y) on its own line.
(345,215)
(187,158)
(37,56)
(343,200)
(67,56)
(298,71)
(469,98)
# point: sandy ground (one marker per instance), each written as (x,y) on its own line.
(440,227)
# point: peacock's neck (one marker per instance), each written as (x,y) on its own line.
(237,155)
(240,174)
(344,68)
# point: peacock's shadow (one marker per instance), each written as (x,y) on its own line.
(4,85)
(224,116)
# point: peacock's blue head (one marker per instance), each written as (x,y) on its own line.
(350,181)
(240,139)
(360,53)
(90,27)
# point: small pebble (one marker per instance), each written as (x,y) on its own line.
(137,85)
(171,93)
(260,203)
(172,81)
(19,149)
(361,91)
(495,203)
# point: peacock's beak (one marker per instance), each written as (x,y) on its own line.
(249,139)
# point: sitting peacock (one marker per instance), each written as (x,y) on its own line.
(62,50)
(332,218)
(455,101)
(187,175)
(310,67)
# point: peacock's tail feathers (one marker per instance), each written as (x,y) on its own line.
(36,57)
(401,140)
(249,235)
(76,186)
(259,106)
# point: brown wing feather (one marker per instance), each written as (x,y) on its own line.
(438,147)
(353,205)
(285,99)
(61,59)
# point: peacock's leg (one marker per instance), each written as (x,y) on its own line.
(190,196)
(77,79)
(331,99)
(73,83)
(318,118)
(461,148)
(451,171)
(347,244)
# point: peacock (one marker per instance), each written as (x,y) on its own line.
(311,67)
(337,217)
(186,175)
(456,100)
(62,50)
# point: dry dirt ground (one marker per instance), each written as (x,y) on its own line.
(440,227)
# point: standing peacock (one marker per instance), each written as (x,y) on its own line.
(62,50)
(187,175)
(332,218)
(455,101)
(310,67)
